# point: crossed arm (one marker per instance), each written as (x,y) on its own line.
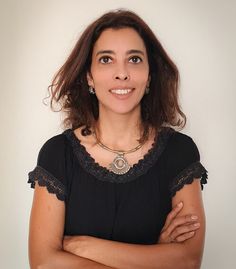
(90,252)
(46,234)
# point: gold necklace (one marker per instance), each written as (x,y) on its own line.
(120,164)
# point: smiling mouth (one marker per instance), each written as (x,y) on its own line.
(121,91)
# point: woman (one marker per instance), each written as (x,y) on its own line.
(120,188)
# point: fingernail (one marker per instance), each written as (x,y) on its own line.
(191,233)
(194,217)
(196,224)
(180,204)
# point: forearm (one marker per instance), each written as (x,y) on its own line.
(61,259)
(186,255)
(129,256)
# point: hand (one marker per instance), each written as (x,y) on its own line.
(178,229)
(74,244)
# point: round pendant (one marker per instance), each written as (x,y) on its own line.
(119,165)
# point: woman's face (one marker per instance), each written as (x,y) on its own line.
(119,70)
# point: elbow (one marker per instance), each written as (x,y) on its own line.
(39,266)
(44,258)
(36,265)
(41,262)
(194,263)
(191,260)
(46,264)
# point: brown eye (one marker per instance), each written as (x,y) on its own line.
(105,60)
(135,59)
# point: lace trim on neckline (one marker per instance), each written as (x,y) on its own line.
(138,169)
(47,180)
(194,171)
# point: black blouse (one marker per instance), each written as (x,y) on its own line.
(128,208)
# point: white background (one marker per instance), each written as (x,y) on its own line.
(37,36)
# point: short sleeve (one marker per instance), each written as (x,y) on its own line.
(185,161)
(50,169)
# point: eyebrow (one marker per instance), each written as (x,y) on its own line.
(132,51)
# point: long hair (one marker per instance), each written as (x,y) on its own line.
(69,87)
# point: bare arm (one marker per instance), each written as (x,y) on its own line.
(46,234)
(186,255)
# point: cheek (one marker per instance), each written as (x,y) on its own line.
(139,73)
(101,76)
(141,78)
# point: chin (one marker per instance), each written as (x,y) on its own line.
(125,110)
(121,109)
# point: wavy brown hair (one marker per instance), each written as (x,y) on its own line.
(69,87)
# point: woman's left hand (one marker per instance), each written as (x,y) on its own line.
(177,228)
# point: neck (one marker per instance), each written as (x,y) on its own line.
(119,131)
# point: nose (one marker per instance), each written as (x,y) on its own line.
(121,74)
(122,77)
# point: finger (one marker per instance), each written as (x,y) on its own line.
(184,229)
(173,213)
(178,221)
(184,237)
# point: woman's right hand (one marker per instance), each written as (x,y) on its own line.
(177,229)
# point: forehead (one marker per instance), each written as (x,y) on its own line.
(119,39)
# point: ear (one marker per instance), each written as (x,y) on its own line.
(90,79)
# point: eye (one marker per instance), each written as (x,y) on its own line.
(135,59)
(105,60)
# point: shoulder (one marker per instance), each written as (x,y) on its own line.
(180,139)
(183,161)
(54,144)
(183,149)
(51,167)
(52,151)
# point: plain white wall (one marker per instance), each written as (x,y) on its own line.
(36,37)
